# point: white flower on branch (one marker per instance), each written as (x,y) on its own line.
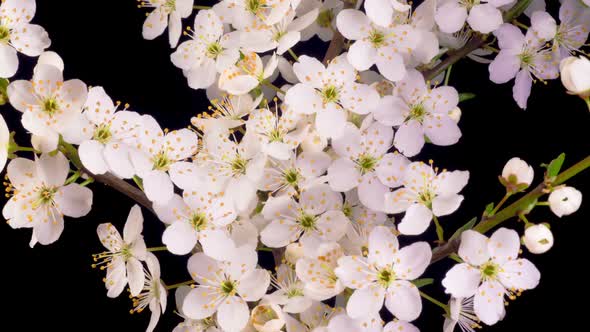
(483,17)
(166,13)
(565,201)
(538,239)
(153,295)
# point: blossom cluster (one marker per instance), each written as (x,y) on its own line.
(314,161)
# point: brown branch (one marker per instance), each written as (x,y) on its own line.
(337,43)
(123,187)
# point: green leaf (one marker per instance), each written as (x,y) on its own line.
(489,209)
(465,96)
(3,95)
(423,282)
(468,225)
(555,165)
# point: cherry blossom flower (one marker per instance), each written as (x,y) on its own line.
(491,270)
(523,58)
(574,75)
(315,218)
(565,200)
(157,152)
(227,112)
(166,13)
(483,17)
(153,295)
(289,292)
(18,35)
(195,217)
(281,36)
(385,275)
(110,134)
(419,111)
(251,14)
(247,74)
(209,51)
(517,175)
(318,272)
(49,105)
(329,93)
(122,260)
(364,162)
(41,197)
(538,239)
(224,288)
(385,47)
(267,317)
(426,193)
(289,177)
(323,26)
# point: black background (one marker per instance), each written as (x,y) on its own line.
(54,288)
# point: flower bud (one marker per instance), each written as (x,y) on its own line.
(517,175)
(575,75)
(538,239)
(267,318)
(455,114)
(565,200)
(294,252)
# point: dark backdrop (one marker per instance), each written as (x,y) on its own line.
(54,288)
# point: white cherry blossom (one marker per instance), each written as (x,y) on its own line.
(538,239)
(317,272)
(483,16)
(41,197)
(17,35)
(224,288)
(461,314)
(329,92)
(247,74)
(565,200)
(166,13)
(153,294)
(385,275)
(426,194)
(227,112)
(491,270)
(323,26)
(122,260)
(289,291)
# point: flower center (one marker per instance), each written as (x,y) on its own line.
(385,277)
(170,5)
(238,165)
(417,112)
(214,50)
(347,210)
(50,106)
(307,221)
(526,58)
(366,163)
(377,38)
(161,161)
(291,176)
(325,18)
(330,94)
(489,270)
(102,134)
(426,198)
(469,3)
(254,6)
(228,288)
(294,292)
(45,197)
(278,35)
(4,34)
(275,135)
(198,221)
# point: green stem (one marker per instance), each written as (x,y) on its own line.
(73,178)
(542,203)
(524,218)
(186,283)
(501,203)
(162,248)
(448,75)
(201,7)
(439,230)
(456,258)
(435,301)
(264,249)
(295,57)
(587,100)
(272,86)
(518,24)
(87,182)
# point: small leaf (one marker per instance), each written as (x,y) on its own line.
(423,282)
(465,96)
(555,166)
(3,95)
(489,209)
(468,225)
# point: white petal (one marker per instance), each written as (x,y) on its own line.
(135,276)
(451,182)
(391,111)
(362,55)
(203,268)
(544,24)
(445,205)
(416,220)
(390,169)
(365,301)
(174,28)
(390,64)
(398,325)
(73,200)
(309,71)
(91,155)
(30,39)
(462,280)
(485,18)
(504,245)
(48,231)
(441,130)
(411,261)
(254,284)
(109,237)
(116,155)
(522,88)
(519,274)
(8,61)
(451,17)
(200,303)
(53,169)
(158,186)
(343,175)
(155,24)
(303,98)
(181,144)
(382,246)
(330,121)
(279,233)
(474,248)
(180,238)
(359,98)
(409,139)
(379,11)
(403,300)
(489,302)
(203,76)
(504,67)
(233,314)
(287,41)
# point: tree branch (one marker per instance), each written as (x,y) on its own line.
(337,43)
(512,210)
